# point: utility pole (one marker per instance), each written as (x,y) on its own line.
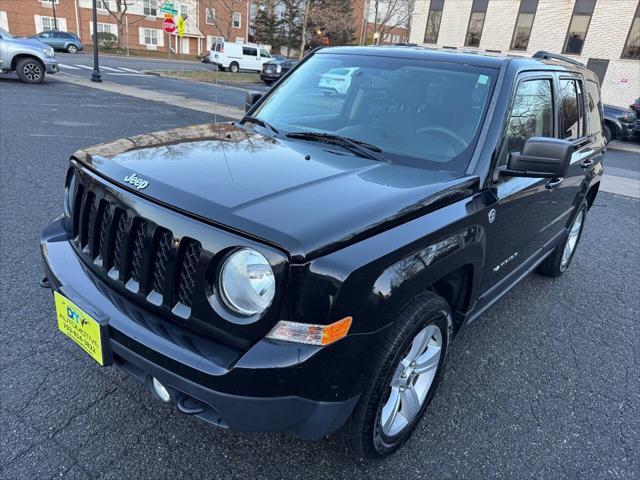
(95,76)
(55,18)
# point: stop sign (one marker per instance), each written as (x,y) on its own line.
(168,25)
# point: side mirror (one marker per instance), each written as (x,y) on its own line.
(250,99)
(541,157)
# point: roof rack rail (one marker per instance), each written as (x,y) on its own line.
(544,55)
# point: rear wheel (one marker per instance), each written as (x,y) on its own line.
(72,49)
(558,262)
(234,67)
(30,70)
(404,381)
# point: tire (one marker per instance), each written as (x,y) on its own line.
(365,434)
(30,70)
(222,69)
(558,262)
(234,67)
(607,133)
(72,49)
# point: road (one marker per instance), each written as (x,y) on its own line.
(130,71)
(545,385)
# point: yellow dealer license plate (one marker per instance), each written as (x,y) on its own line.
(81,328)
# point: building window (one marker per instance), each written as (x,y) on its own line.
(210,16)
(582,11)
(524,23)
(102,4)
(396,38)
(632,45)
(106,28)
(433,21)
(184,10)
(49,2)
(237,20)
(476,22)
(571,109)
(48,23)
(599,67)
(150,36)
(149,8)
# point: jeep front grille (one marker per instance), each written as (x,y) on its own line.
(141,256)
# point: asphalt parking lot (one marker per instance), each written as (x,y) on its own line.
(546,385)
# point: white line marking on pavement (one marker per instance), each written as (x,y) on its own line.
(124,74)
(70,67)
(131,70)
(102,67)
(86,67)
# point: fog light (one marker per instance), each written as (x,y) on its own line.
(160,390)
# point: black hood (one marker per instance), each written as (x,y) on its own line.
(307,198)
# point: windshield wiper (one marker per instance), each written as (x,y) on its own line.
(363,148)
(266,125)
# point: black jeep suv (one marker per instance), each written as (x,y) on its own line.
(306,268)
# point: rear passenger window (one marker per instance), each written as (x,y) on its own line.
(531,115)
(252,52)
(571,98)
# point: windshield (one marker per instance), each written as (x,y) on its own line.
(420,113)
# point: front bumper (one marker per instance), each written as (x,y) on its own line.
(269,77)
(51,66)
(254,390)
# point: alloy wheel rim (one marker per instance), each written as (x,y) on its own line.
(572,240)
(32,71)
(412,381)
(72,49)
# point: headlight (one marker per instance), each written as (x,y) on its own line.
(278,68)
(48,52)
(627,117)
(247,283)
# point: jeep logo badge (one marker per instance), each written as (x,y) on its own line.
(136,181)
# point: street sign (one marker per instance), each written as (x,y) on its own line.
(168,25)
(180,26)
(168,8)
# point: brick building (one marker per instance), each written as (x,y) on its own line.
(207,21)
(603,34)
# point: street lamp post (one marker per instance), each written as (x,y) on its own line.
(95,76)
(55,18)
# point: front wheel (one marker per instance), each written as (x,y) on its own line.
(560,259)
(30,70)
(72,49)
(608,134)
(404,380)
(234,67)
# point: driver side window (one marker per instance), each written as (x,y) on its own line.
(531,116)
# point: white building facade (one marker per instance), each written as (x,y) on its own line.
(603,34)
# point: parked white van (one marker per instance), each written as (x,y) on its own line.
(238,56)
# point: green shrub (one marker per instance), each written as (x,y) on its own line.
(107,40)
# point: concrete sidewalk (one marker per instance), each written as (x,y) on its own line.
(223,112)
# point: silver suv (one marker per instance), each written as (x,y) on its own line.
(30,59)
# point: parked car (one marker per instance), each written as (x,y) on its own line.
(238,56)
(30,59)
(273,70)
(336,80)
(635,106)
(619,123)
(321,285)
(64,41)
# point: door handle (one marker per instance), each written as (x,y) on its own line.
(587,163)
(553,183)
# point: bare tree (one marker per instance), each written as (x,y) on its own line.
(390,14)
(117,9)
